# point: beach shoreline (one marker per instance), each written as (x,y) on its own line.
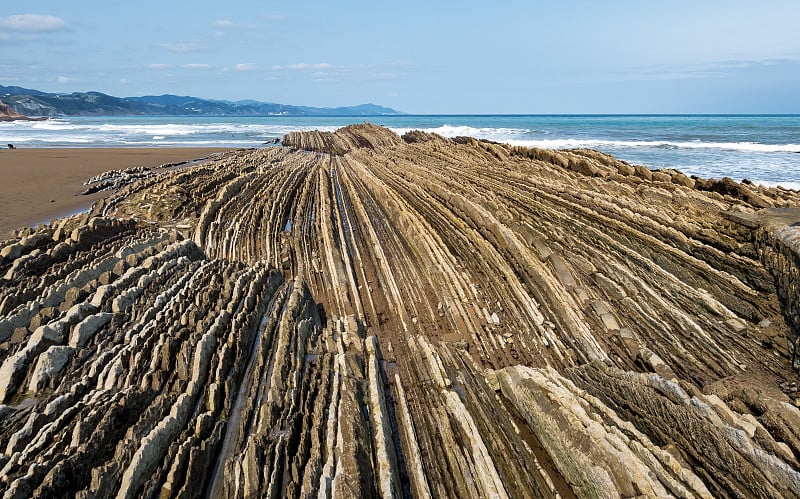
(763,149)
(39,184)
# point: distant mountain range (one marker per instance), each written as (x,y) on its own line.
(31,102)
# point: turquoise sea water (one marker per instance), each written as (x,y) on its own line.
(761,148)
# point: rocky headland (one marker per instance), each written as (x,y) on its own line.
(8,114)
(359,314)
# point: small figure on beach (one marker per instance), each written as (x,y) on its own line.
(11,146)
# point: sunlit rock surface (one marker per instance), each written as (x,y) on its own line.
(358,314)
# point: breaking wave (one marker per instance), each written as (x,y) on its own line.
(521,137)
(740,147)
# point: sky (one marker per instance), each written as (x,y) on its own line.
(420,57)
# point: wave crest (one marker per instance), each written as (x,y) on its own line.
(599,144)
(521,137)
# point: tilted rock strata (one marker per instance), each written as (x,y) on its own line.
(361,314)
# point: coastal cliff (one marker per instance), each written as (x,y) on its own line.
(361,314)
(8,114)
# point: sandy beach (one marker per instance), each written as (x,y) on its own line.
(31,178)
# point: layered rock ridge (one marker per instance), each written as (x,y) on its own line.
(361,314)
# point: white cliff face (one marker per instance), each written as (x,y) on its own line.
(362,314)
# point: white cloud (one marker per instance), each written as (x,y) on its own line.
(246,66)
(196,66)
(702,71)
(158,66)
(302,65)
(181,47)
(32,23)
(64,80)
(331,72)
(226,24)
(677,75)
(383,76)
(124,81)
(680,72)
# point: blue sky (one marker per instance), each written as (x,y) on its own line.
(564,56)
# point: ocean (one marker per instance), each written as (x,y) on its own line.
(763,149)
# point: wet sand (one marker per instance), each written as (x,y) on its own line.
(31,178)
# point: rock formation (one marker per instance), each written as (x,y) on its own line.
(8,114)
(358,314)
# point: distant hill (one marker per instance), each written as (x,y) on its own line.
(36,103)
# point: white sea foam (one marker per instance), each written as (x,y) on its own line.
(498,134)
(786,185)
(599,144)
(53,125)
(171,129)
(176,129)
(67,132)
(79,133)
(40,126)
(184,143)
(515,136)
(50,140)
(714,154)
